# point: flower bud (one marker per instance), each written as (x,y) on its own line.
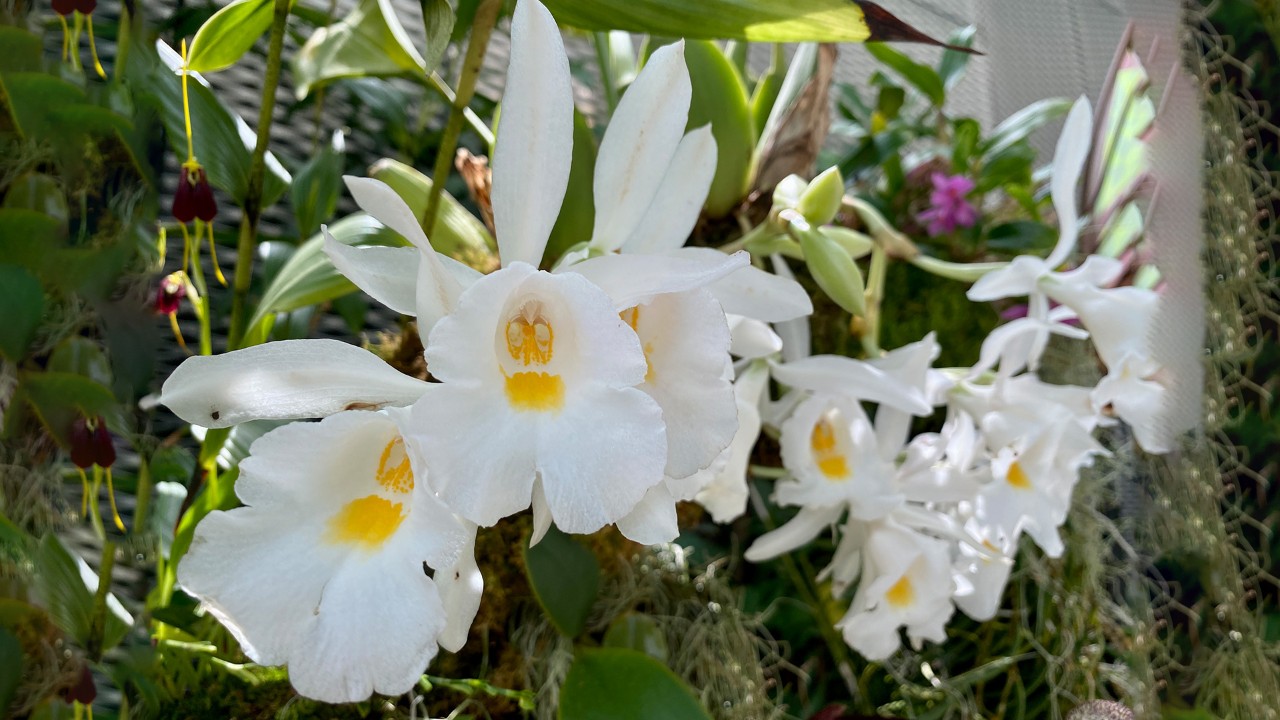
(64,7)
(194,198)
(834,270)
(85,6)
(821,200)
(91,443)
(786,195)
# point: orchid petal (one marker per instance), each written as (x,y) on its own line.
(284,380)
(844,376)
(631,280)
(1068,164)
(388,274)
(639,145)
(535,138)
(674,212)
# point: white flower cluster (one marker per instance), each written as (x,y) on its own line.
(600,393)
(930,523)
(603,392)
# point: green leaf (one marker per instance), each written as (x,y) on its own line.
(438,21)
(1022,237)
(41,194)
(224,38)
(622,684)
(316,186)
(966,133)
(81,356)
(636,631)
(754,20)
(223,141)
(578,212)
(58,398)
(952,66)
(720,98)
(765,93)
(1018,126)
(565,578)
(308,277)
(66,586)
(370,41)
(22,53)
(458,233)
(922,77)
(22,307)
(10,669)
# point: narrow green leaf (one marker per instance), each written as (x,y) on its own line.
(308,277)
(316,186)
(22,307)
(565,578)
(720,98)
(1021,124)
(369,42)
(765,92)
(754,20)
(224,38)
(922,77)
(66,586)
(952,66)
(578,212)
(623,684)
(458,233)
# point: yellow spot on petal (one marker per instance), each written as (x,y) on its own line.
(901,594)
(535,391)
(395,472)
(631,316)
(1017,477)
(367,522)
(826,451)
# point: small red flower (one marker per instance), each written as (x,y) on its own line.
(83,691)
(194,198)
(85,6)
(170,294)
(64,7)
(91,443)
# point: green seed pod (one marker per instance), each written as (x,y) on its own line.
(833,269)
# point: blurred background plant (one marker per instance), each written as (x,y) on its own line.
(103,289)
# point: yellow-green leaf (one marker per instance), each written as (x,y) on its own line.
(368,42)
(720,98)
(226,36)
(754,20)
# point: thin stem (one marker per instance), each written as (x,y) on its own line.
(875,297)
(481,28)
(204,309)
(142,495)
(122,42)
(186,112)
(606,75)
(98,620)
(437,85)
(257,171)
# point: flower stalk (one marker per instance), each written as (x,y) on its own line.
(481,29)
(257,171)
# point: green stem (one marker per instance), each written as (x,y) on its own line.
(606,75)
(257,171)
(122,42)
(875,298)
(95,513)
(205,313)
(142,495)
(436,84)
(98,620)
(481,29)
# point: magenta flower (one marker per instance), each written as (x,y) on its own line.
(948,207)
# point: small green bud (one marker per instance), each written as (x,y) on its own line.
(857,244)
(833,269)
(786,196)
(821,200)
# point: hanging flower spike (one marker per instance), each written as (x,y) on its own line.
(64,8)
(193,200)
(948,207)
(169,297)
(86,8)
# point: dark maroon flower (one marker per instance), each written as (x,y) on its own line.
(64,7)
(84,691)
(170,294)
(85,6)
(91,443)
(194,198)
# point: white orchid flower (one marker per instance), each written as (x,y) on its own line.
(982,571)
(906,582)
(1032,482)
(323,569)
(725,494)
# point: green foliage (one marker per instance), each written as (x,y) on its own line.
(316,187)
(369,42)
(623,684)
(22,301)
(67,588)
(10,668)
(224,38)
(565,577)
(578,213)
(754,20)
(635,631)
(720,98)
